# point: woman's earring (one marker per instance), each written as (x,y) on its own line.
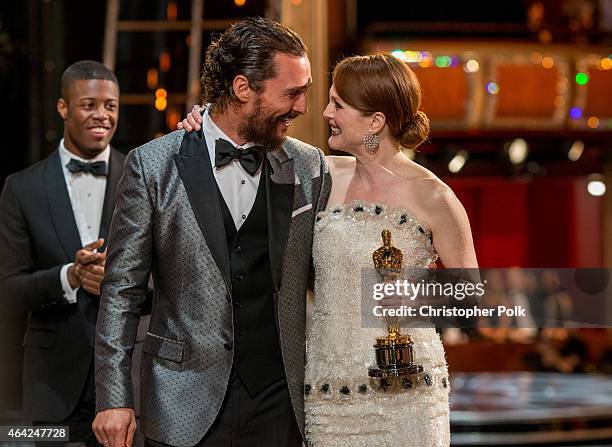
(371,142)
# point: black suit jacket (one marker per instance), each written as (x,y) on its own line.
(38,235)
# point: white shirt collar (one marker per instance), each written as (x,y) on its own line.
(66,155)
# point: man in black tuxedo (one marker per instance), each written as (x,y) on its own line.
(54,221)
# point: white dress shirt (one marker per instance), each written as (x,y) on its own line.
(237,186)
(86,192)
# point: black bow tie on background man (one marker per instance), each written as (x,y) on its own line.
(250,158)
(97,168)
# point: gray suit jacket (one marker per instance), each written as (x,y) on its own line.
(168,221)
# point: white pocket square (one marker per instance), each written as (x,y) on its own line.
(301,210)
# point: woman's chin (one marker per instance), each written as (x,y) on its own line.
(333,143)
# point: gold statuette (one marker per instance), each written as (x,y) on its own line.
(394,352)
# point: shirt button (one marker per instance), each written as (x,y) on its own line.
(88,194)
(242,182)
(243,217)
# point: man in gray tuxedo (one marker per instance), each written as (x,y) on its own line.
(223,219)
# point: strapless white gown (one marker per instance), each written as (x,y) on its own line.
(343,406)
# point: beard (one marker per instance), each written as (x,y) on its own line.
(261,127)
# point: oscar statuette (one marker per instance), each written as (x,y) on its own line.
(394,352)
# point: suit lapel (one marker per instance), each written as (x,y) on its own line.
(193,164)
(115,169)
(280,178)
(60,207)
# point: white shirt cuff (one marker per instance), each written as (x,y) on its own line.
(69,293)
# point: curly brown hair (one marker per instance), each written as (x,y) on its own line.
(246,48)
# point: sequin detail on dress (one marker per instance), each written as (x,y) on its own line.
(343,407)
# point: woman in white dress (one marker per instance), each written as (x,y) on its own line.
(372,111)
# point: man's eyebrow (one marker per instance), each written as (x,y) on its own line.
(299,89)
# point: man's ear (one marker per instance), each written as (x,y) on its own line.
(378,121)
(62,108)
(242,88)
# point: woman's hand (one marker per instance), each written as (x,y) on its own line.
(193,120)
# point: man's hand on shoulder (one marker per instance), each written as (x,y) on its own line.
(193,120)
(115,427)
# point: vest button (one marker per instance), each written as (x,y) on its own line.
(239,276)
(238,305)
(228,346)
(242,333)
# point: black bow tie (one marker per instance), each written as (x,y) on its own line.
(250,158)
(97,168)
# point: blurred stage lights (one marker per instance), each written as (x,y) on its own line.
(171,11)
(576,113)
(593,122)
(472,66)
(605,63)
(399,54)
(443,61)
(548,62)
(596,186)
(161,104)
(536,58)
(493,88)
(575,152)
(410,57)
(152,78)
(161,101)
(582,78)
(458,161)
(518,151)
(425,59)
(165,61)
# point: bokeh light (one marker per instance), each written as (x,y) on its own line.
(576,113)
(493,88)
(593,122)
(472,66)
(582,78)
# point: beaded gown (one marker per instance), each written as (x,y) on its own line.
(344,408)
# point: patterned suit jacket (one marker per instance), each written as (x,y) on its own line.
(168,221)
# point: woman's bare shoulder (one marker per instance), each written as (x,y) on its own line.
(435,195)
